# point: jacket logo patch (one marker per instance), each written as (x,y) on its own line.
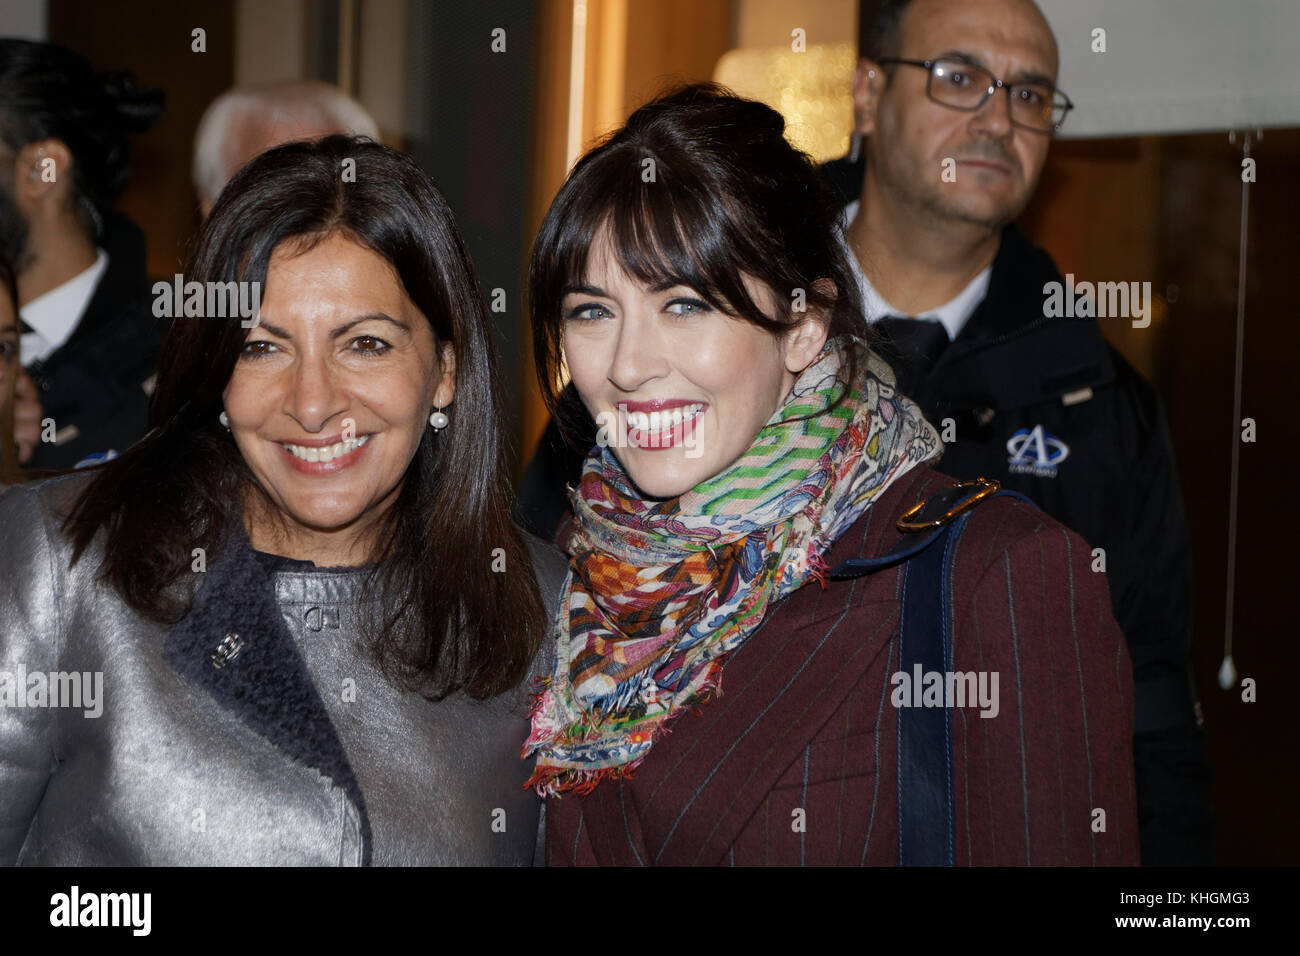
(1036,452)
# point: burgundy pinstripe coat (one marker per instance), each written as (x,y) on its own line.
(805,720)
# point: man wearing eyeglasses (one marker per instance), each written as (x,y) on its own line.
(955,106)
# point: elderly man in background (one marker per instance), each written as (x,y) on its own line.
(243,122)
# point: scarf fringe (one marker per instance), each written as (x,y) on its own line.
(557,781)
(553,781)
(818,568)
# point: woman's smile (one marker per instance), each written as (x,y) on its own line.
(671,424)
(324,457)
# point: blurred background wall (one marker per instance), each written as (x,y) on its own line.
(498,129)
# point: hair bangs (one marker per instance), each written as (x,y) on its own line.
(665,232)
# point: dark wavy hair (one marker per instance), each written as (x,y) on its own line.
(729,196)
(48,92)
(448,623)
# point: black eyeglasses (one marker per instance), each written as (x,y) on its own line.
(1036,106)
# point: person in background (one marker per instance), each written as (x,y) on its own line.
(751,443)
(1042,404)
(88,340)
(9,371)
(242,122)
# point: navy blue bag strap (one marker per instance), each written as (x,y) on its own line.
(926,816)
(926,820)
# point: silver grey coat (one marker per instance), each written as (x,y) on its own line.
(279,745)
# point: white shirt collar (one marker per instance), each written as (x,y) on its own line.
(56,313)
(953,315)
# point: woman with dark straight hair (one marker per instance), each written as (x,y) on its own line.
(759,514)
(312,614)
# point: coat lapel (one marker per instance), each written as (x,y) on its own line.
(234,644)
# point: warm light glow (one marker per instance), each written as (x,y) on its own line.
(577,82)
(610,71)
(812,90)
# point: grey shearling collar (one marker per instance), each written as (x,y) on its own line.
(266,683)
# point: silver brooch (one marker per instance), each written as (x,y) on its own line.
(227,650)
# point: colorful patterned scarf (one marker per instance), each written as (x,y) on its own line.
(660,592)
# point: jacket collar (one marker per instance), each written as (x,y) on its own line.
(1020,269)
(123,284)
(114,348)
(234,644)
(1008,355)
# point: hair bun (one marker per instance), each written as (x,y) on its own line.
(136,107)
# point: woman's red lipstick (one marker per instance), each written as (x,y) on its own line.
(656,425)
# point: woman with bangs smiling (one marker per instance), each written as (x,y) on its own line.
(718,697)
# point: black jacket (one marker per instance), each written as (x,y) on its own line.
(1050,409)
(96,380)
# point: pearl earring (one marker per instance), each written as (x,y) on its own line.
(439,419)
(225,420)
